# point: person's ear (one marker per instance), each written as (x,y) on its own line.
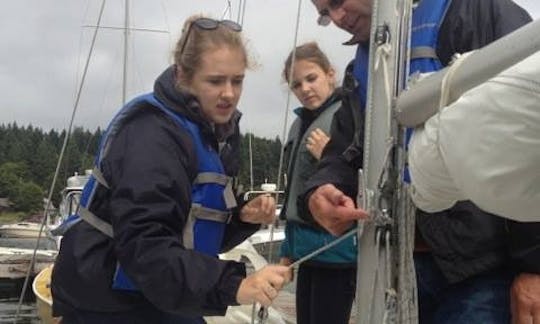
(180,80)
(332,76)
(332,73)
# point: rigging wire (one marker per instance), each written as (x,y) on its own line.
(262,314)
(239,11)
(243,13)
(62,151)
(287,105)
(228,10)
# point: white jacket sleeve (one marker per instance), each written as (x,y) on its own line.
(485,147)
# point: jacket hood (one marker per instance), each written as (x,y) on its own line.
(188,105)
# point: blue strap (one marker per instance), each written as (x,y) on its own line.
(360,73)
(426,22)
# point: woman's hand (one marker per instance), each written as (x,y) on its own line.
(260,210)
(262,286)
(284,261)
(316,142)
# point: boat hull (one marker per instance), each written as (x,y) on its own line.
(41,287)
(15,263)
(20,230)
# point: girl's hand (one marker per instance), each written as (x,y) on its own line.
(316,142)
(260,210)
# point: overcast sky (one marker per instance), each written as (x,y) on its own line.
(45,44)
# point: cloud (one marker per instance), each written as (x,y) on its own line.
(45,47)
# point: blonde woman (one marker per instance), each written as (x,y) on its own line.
(161,206)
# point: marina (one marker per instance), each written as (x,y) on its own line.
(8,309)
(388,180)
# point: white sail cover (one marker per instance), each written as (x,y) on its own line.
(485,147)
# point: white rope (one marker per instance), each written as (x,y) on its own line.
(382,54)
(445,87)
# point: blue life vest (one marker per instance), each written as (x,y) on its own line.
(211,194)
(426,21)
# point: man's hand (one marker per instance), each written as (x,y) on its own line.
(525,299)
(333,210)
(260,210)
(262,286)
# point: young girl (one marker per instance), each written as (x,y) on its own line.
(160,207)
(326,283)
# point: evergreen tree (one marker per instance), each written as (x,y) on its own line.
(28,197)
(29,155)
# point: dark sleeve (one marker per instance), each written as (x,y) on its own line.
(237,231)
(151,165)
(333,168)
(524,246)
(469,25)
(472,24)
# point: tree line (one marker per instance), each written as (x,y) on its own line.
(29,155)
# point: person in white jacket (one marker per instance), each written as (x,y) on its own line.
(496,126)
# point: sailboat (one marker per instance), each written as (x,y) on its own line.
(20,229)
(41,285)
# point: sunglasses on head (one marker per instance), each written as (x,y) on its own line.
(324,14)
(210,24)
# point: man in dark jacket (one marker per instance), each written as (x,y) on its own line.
(464,246)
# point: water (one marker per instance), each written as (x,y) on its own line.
(27,315)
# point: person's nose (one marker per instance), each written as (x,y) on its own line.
(228,90)
(305,87)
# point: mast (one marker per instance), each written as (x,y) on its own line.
(385,273)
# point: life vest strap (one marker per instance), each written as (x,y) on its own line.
(200,212)
(228,195)
(221,179)
(96,173)
(96,222)
(196,212)
(211,177)
(423,52)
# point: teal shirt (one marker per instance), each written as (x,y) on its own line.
(300,240)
